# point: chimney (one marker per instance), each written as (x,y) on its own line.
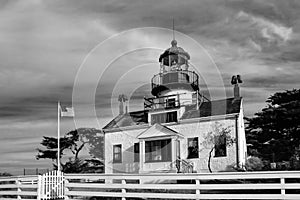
(126,108)
(121,108)
(122,99)
(236,91)
(235,80)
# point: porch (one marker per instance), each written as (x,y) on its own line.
(159,151)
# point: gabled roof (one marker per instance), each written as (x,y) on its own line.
(210,108)
(128,119)
(157,130)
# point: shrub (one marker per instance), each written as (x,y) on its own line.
(254,164)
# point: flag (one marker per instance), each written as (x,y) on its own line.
(67,111)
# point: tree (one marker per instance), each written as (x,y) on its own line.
(50,143)
(274,133)
(72,144)
(219,136)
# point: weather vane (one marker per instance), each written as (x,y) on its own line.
(173,29)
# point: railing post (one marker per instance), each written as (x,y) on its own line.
(282,183)
(197,101)
(18,183)
(123,189)
(198,188)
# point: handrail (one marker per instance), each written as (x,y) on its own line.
(184,166)
(161,102)
(188,167)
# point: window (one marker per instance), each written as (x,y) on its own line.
(164,117)
(136,151)
(117,153)
(158,150)
(170,103)
(220,146)
(193,148)
(170,78)
(183,78)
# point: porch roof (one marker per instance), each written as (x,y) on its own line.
(158,130)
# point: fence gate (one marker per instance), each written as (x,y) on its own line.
(51,185)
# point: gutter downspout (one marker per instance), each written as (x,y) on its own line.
(104,171)
(237,141)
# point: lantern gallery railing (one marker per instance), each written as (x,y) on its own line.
(172,101)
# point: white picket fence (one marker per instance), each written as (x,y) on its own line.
(51,185)
(243,185)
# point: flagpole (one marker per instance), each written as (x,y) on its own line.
(58,136)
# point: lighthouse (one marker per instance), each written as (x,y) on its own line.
(168,135)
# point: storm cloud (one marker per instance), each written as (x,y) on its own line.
(43,45)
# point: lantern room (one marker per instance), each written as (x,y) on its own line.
(174,73)
(175,85)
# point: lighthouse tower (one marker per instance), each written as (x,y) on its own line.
(174,88)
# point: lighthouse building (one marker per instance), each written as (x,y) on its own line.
(179,130)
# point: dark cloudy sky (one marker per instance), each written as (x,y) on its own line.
(46,46)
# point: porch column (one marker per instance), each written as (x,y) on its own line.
(142,155)
(173,151)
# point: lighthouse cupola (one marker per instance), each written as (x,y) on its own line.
(174,75)
(175,86)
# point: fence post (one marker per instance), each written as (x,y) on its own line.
(123,189)
(282,183)
(198,188)
(66,189)
(18,183)
(39,187)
